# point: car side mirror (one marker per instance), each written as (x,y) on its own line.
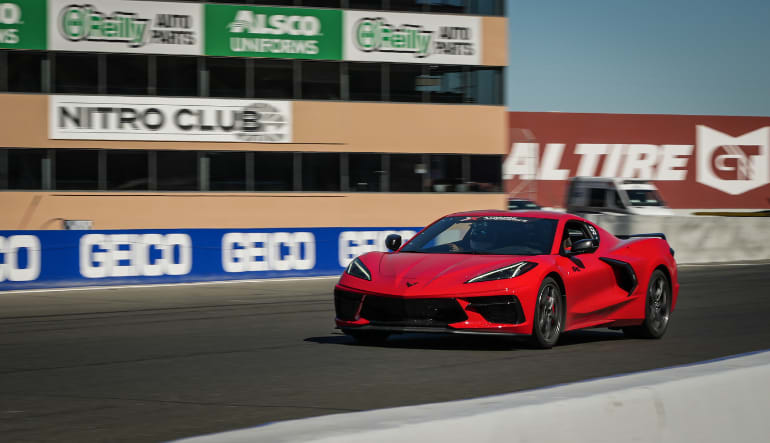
(393,242)
(582,246)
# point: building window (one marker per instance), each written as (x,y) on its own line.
(127,170)
(365,4)
(273,79)
(320,172)
(486,86)
(76,73)
(365,81)
(177,76)
(446,84)
(77,169)
(406,172)
(273,171)
(321,80)
(365,172)
(25,71)
(451,6)
(25,168)
(486,173)
(408,5)
(446,173)
(127,74)
(227,77)
(404,83)
(321,3)
(177,170)
(227,171)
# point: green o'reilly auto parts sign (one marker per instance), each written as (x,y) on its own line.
(23,24)
(249,31)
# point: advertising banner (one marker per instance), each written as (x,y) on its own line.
(252,31)
(125,26)
(412,38)
(23,24)
(45,259)
(697,161)
(77,117)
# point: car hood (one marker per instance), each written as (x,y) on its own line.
(417,274)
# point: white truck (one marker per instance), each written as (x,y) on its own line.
(614,195)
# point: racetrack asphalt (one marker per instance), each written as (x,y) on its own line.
(158,363)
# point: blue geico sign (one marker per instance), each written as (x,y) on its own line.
(45,259)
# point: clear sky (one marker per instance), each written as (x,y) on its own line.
(639,56)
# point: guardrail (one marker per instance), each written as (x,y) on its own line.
(720,401)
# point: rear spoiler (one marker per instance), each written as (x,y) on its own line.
(650,235)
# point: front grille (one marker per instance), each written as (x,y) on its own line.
(497,309)
(346,304)
(412,312)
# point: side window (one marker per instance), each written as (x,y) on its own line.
(575,231)
(597,198)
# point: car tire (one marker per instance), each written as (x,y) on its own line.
(548,319)
(368,337)
(657,309)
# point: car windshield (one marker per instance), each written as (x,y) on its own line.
(494,235)
(644,197)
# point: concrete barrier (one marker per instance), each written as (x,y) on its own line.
(699,239)
(719,401)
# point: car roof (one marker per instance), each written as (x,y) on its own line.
(553,215)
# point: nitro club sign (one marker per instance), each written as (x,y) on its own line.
(412,38)
(169,119)
(125,26)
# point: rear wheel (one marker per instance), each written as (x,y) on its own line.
(548,315)
(368,337)
(657,309)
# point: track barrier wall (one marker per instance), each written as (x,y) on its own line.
(719,401)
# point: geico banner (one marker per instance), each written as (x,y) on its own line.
(696,161)
(412,38)
(125,26)
(168,119)
(22,24)
(45,259)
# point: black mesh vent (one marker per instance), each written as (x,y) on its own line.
(412,312)
(346,304)
(498,309)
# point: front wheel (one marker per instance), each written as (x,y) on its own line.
(548,315)
(657,309)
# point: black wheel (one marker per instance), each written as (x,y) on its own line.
(549,312)
(657,309)
(368,337)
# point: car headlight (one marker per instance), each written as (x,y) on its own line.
(358,270)
(511,271)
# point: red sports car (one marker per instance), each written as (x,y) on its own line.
(529,273)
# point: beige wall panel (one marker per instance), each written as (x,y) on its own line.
(45,210)
(494,41)
(318,126)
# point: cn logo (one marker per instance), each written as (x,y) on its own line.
(733,165)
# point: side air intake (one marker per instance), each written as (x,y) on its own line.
(625,277)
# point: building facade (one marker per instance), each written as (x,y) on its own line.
(296,113)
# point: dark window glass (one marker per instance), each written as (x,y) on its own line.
(127,170)
(403,83)
(273,79)
(77,73)
(227,77)
(321,3)
(486,86)
(446,84)
(487,7)
(177,76)
(406,172)
(321,80)
(273,171)
(261,2)
(446,173)
(25,168)
(127,74)
(364,172)
(365,81)
(77,169)
(486,173)
(320,172)
(227,171)
(25,71)
(407,5)
(597,197)
(177,171)
(451,6)
(365,4)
